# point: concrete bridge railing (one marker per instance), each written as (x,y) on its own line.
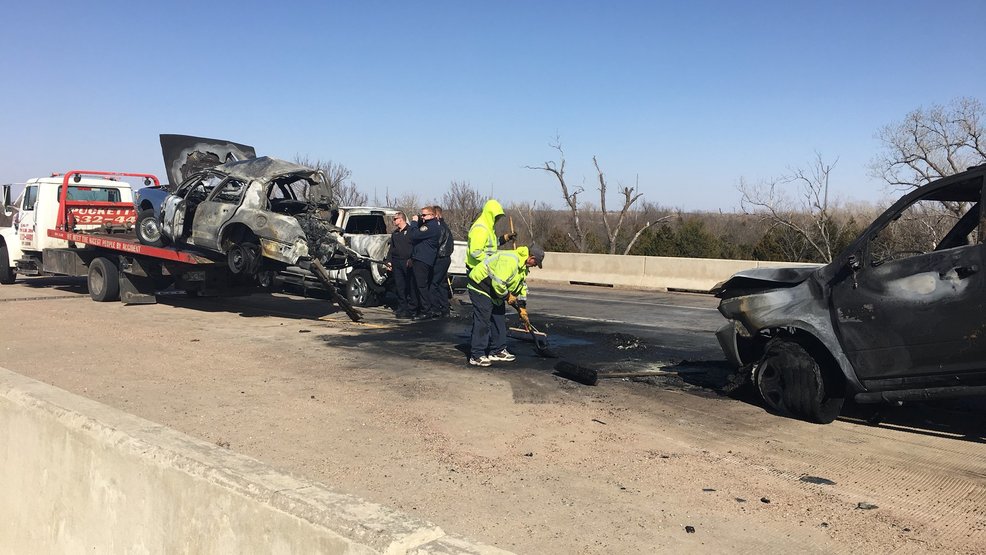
(643,272)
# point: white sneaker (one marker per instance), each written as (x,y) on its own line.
(481,361)
(502,356)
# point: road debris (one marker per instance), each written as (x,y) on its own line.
(817,480)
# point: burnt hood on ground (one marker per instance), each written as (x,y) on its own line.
(185,155)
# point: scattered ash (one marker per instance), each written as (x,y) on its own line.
(625,341)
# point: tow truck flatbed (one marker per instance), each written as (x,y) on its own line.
(128,244)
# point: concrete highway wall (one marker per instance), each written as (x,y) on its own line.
(643,272)
(78,476)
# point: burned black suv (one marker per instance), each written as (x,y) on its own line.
(897,316)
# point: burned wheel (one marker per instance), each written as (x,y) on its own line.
(243,258)
(791,382)
(149,229)
(103,280)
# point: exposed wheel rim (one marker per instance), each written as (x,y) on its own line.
(359,291)
(237,259)
(770,382)
(243,258)
(150,229)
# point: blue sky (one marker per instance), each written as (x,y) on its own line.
(690,96)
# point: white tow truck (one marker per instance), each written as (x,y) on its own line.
(81,223)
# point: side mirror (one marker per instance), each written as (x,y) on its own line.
(854,263)
(6,201)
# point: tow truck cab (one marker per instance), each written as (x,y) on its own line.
(25,238)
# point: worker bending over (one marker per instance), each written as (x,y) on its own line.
(499,279)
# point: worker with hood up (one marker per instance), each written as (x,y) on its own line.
(482,235)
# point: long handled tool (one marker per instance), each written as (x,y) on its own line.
(539,338)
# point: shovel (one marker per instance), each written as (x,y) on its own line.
(540,341)
(539,338)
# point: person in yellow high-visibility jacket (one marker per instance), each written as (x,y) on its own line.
(499,279)
(482,240)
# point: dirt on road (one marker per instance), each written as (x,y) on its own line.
(512,456)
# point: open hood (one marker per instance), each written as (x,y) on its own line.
(185,155)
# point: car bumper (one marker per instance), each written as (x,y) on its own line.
(288,253)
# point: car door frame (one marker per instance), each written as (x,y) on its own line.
(890,319)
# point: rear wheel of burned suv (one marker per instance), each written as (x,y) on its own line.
(791,382)
(361,289)
(149,229)
(243,258)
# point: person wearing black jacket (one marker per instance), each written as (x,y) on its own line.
(399,265)
(439,280)
(424,238)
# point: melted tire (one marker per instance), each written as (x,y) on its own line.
(791,382)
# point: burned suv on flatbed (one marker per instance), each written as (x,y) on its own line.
(897,316)
(260,213)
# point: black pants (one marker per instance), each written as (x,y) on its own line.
(439,285)
(402,286)
(422,283)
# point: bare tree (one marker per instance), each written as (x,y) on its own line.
(461,205)
(409,203)
(811,218)
(571,196)
(535,217)
(344,190)
(630,196)
(933,143)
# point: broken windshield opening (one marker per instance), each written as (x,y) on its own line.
(926,225)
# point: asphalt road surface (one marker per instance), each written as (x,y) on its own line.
(515,455)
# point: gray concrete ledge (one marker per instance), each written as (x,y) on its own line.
(78,476)
(658,273)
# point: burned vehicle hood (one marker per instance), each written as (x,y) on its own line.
(185,155)
(759,279)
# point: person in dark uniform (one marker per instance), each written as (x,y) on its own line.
(399,265)
(439,280)
(424,238)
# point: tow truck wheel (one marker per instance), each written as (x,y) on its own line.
(360,287)
(242,258)
(104,280)
(7,274)
(791,382)
(149,229)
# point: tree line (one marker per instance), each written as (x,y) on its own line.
(789,217)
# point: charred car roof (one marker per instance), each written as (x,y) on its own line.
(264,168)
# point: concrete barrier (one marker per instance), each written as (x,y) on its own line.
(79,476)
(644,272)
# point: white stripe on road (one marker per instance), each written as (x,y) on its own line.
(543,294)
(608,321)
